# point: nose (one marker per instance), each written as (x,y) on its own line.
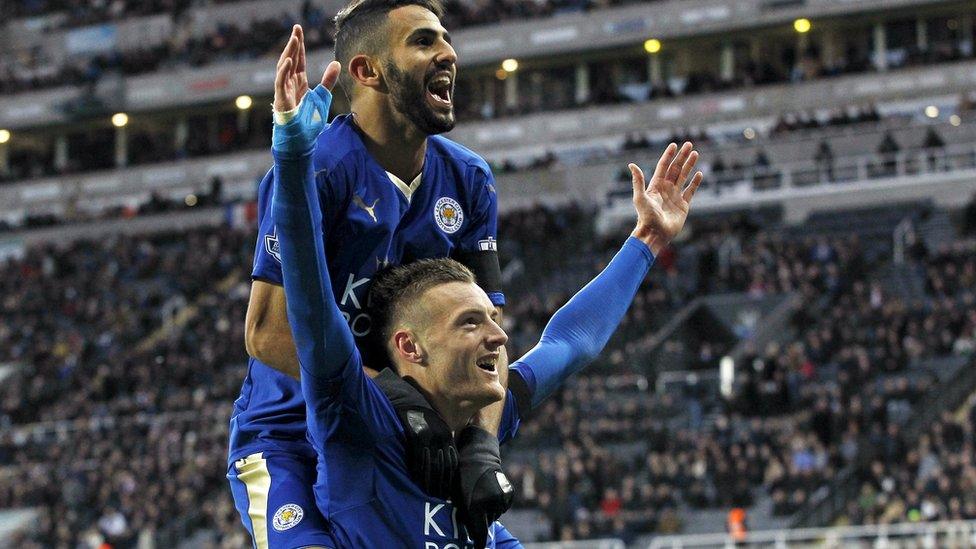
(446,56)
(496,336)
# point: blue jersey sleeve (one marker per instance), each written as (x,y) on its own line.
(267,253)
(332,377)
(478,246)
(581,328)
(511,419)
(322,338)
(267,257)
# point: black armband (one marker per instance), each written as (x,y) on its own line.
(484,265)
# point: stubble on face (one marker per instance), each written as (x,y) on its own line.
(453,355)
(409,96)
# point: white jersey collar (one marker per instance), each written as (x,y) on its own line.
(406,189)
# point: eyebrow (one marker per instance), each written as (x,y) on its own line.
(470,311)
(428,32)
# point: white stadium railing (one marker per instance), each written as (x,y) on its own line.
(923,535)
(948,182)
(584,544)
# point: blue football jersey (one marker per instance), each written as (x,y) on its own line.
(364,487)
(369,221)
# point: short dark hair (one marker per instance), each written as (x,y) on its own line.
(394,288)
(358,30)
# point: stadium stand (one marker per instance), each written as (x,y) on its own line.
(625,460)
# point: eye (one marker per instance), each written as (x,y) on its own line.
(424,41)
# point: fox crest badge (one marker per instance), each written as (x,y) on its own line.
(448,214)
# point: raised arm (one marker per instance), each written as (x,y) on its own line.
(314,317)
(580,329)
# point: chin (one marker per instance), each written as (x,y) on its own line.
(486,395)
(494,393)
(433,123)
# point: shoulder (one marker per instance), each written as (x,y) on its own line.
(266,184)
(338,145)
(461,157)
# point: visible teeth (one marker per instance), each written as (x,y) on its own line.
(440,84)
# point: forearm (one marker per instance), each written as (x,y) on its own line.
(278,351)
(267,336)
(322,338)
(580,329)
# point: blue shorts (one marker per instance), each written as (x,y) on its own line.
(273,493)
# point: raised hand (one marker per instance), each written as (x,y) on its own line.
(296,135)
(662,205)
(291,80)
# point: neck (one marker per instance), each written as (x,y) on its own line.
(456,414)
(392,140)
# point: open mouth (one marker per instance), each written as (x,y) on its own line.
(439,91)
(488,364)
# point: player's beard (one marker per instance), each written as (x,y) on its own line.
(410,99)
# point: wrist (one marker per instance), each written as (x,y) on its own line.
(283,116)
(291,140)
(654,241)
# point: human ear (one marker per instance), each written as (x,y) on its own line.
(365,71)
(408,348)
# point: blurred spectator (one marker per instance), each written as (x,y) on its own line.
(969,217)
(824,158)
(888,150)
(934,145)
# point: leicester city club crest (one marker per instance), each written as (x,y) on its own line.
(448,214)
(287,516)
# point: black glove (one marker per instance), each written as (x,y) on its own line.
(483,491)
(432,458)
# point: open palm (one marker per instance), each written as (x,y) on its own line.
(662,205)
(291,80)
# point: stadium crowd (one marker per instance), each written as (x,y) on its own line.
(802,413)
(102,429)
(594,484)
(931,480)
(108,295)
(622,460)
(463,12)
(227,42)
(30,69)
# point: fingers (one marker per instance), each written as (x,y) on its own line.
(331,75)
(300,57)
(686,168)
(665,161)
(281,78)
(426,468)
(689,191)
(674,170)
(286,61)
(291,47)
(637,178)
